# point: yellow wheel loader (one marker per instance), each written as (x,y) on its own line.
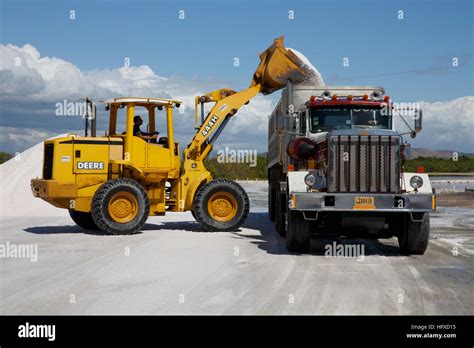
(114,182)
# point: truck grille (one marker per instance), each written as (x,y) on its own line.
(48,161)
(364,163)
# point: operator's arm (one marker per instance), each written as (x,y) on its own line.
(145,135)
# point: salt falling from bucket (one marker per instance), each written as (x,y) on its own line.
(314,77)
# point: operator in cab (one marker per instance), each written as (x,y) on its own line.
(137,122)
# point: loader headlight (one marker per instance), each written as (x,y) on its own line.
(310,179)
(416,182)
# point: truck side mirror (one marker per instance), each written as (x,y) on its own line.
(417,119)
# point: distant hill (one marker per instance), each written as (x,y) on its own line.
(448,154)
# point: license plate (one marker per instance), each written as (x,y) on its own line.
(364,203)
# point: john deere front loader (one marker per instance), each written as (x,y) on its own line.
(114,182)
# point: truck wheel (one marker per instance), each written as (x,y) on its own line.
(298,234)
(280,219)
(221,205)
(120,206)
(271,203)
(414,236)
(83,219)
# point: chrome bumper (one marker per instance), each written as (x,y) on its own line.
(382,202)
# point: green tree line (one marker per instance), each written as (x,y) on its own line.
(240,171)
(464,164)
(243,171)
(4,156)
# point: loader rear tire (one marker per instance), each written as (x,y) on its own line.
(83,219)
(298,234)
(221,205)
(120,206)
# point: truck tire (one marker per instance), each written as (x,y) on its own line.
(271,203)
(221,205)
(83,219)
(120,206)
(298,234)
(414,236)
(280,216)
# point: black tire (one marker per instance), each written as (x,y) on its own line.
(298,234)
(193,214)
(83,219)
(102,198)
(413,237)
(271,203)
(226,187)
(280,219)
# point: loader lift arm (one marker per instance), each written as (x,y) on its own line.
(227,103)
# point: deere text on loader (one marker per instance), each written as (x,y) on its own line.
(114,182)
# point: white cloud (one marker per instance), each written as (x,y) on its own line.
(22,138)
(447,125)
(30,86)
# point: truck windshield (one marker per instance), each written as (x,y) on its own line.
(322,120)
(327,119)
(363,118)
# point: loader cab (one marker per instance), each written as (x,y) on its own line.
(160,156)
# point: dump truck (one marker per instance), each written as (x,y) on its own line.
(114,182)
(335,167)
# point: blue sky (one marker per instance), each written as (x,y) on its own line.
(411,57)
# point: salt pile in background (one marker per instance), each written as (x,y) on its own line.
(16,198)
(314,76)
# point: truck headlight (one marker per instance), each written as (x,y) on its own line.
(416,182)
(310,179)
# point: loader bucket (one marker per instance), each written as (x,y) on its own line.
(277,66)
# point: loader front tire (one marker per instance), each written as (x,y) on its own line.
(221,205)
(83,219)
(120,206)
